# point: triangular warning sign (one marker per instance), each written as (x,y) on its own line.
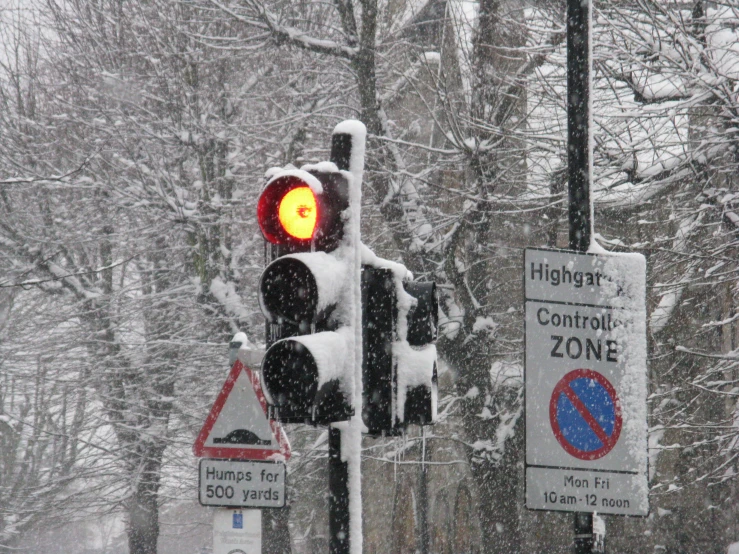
(237,426)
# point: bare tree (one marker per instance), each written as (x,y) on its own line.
(44,418)
(118,197)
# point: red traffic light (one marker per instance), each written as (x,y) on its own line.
(302,210)
(289,210)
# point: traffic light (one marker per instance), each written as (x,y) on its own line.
(322,306)
(399,326)
(299,211)
(307,294)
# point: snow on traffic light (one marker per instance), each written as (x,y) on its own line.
(306,294)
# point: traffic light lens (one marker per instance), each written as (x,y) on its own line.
(298,213)
(288,290)
(302,212)
(290,375)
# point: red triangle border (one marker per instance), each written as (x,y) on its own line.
(200,450)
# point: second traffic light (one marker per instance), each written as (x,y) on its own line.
(399,322)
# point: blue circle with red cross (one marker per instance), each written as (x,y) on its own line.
(585,414)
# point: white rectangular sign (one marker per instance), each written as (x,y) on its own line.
(244,484)
(585,491)
(585,374)
(237,532)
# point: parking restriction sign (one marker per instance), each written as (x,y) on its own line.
(585,382)
(585,414)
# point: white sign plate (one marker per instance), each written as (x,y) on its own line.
(585,374)
(243,484)
(237,532)
(573,277)
(584,491)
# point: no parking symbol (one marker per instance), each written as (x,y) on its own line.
(585,414)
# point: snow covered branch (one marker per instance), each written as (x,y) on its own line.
(261,17)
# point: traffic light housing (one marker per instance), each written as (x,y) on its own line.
(306,294)
(379,316)
(399,327)
(417,366)
(304,378)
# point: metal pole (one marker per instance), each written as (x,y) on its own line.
(275,530)
(583,533)
(578,163)
(423,497)
(578,119)
(338,496)
(338,471)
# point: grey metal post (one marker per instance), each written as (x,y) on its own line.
(423,497)
(338,496)
(275,531)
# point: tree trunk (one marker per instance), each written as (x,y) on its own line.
(497,472)
(143,509)
(498,497)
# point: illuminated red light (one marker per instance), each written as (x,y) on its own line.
(298,213)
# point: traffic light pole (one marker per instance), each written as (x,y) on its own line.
(338,499)
(423,496)
(341,505)
(579,156)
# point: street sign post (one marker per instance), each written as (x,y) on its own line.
(241,484)
(585,372)
(243,465)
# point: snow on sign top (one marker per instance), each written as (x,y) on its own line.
(237,427)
